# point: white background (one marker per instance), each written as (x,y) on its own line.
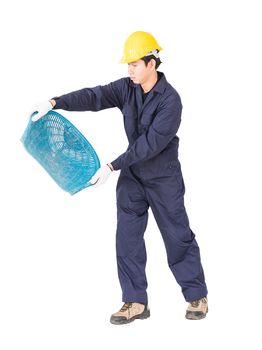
(58,277)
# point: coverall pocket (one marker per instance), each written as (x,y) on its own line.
(173,166)
(146,119)
(145,122)
(130,120)
(174,169)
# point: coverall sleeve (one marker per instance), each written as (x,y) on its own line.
(93,99)
(162,130)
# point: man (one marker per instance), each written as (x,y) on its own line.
(150,177)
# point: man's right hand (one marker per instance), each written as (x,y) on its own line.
(42,109)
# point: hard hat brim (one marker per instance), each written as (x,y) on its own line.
(135,58)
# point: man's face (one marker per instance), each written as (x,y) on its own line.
(139,72)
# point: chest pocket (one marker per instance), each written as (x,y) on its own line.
(147,118)
(145,122)
(130,122)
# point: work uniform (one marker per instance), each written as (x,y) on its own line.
(150,177)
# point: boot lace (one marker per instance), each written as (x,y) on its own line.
(125,307)
(195,303)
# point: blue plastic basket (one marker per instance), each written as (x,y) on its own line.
(62,151)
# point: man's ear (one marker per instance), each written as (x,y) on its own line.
(152,63)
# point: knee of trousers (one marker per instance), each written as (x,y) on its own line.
(130,237)
(178,250)
(132,217)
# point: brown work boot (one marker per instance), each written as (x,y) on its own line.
(197,309)
(130,312)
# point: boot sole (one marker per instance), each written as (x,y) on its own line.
(191,316)
(145,314)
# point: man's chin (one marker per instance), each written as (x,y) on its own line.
(135,81)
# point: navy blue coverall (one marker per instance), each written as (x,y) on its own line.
(150,177)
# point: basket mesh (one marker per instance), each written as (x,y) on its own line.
(62,151)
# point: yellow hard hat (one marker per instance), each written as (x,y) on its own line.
(138,45)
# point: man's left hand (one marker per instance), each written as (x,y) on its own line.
(101,175)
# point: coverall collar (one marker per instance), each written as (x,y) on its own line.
(159,87)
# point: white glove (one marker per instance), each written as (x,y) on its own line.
(101,176)
(42,108)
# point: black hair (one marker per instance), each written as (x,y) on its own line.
(147,59)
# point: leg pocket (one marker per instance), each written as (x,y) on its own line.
(174,169)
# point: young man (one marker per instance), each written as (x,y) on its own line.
(150,177)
